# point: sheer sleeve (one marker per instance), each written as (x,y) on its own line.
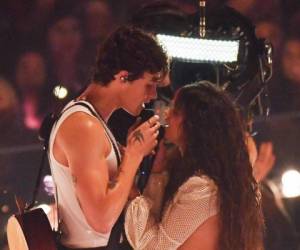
(155,190)
(195,202)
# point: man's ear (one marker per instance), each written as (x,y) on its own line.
(122,76)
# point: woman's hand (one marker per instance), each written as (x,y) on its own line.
(159,164)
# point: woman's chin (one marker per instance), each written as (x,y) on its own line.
(168,138)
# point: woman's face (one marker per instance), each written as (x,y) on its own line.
(174,130)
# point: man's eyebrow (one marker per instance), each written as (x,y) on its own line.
(157,81)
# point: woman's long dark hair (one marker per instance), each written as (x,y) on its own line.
(214,145)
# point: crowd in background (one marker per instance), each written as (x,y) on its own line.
(45,43)
(49,43)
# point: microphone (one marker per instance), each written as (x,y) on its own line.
(146,165)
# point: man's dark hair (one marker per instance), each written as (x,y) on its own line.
(129,49)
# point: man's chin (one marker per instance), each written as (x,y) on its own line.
(134,112)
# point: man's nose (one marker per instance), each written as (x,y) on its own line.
(152,93)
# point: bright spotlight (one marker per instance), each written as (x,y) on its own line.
(60,92)
(199,50)
(290,183)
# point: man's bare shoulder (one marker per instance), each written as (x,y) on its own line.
(81,119)
(80,126)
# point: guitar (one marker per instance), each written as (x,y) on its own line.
(30,230)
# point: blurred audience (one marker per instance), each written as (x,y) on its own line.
(9,105)
(280,232)
(256,10)
(293,23)
(12,134)
(8,114)
(64,44)
(270,30)
(286,98)
(188,6)
(7,43)
(31,81)
(291,60)
(243,6)
(98,22)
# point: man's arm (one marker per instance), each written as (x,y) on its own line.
(82,140)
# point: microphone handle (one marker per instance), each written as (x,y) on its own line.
(147,163)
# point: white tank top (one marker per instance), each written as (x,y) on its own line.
(76,230)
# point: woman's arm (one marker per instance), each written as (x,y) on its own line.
(155,190)
(193,204)
(158,179)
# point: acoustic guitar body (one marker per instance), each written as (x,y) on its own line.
(30,230)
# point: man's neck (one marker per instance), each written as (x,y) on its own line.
(103,99)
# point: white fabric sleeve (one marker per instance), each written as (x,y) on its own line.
(194,203)
(155,190)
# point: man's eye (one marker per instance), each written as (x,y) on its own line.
(151,86)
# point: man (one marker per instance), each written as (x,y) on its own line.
(92,189)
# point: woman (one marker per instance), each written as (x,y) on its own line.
(211,200)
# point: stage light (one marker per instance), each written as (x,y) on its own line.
(291,183)
(5,209)
(60,92)
(199,50)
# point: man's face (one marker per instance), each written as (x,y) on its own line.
(140,91)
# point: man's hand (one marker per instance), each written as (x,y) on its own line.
(143,139)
